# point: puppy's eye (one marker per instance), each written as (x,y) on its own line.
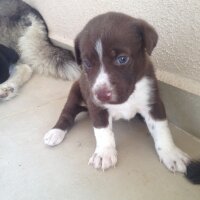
(122,60)
(86,64)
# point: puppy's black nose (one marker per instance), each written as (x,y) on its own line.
(103,94)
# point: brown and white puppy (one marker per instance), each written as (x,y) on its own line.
(117,82)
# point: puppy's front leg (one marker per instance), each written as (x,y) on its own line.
(172,157)
(105,155)
(67,117)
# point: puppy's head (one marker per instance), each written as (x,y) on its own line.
(112,51)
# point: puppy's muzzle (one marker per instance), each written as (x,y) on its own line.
(103,94)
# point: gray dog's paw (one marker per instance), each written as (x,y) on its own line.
(7,91)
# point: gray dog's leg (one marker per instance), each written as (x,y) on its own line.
(20,75)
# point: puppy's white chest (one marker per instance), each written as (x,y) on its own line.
(136,103)
(126,110)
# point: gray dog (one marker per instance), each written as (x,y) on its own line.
(24,30)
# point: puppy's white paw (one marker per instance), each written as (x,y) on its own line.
(173,158)
(54,137)
(7,91)
(103,158)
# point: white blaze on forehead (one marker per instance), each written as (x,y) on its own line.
(99,49)
(102,77)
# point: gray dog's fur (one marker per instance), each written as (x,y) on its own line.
(24,30)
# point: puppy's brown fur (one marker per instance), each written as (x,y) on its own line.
(117,81)
(137,38)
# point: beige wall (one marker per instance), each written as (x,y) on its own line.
(176,21)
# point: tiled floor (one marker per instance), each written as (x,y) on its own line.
(29,170)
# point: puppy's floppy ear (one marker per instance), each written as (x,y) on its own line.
(77,50)
(149,36)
